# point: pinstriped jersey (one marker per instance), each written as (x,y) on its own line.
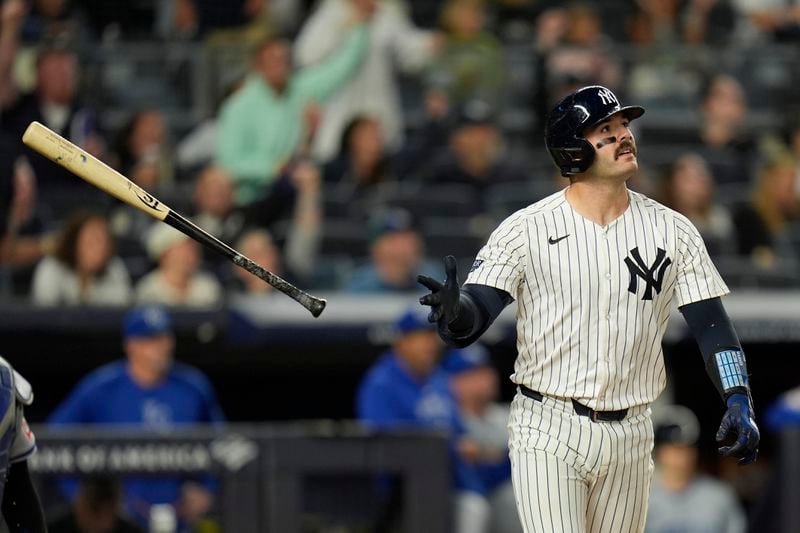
(593,301)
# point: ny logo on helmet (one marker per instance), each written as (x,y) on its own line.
(607,96)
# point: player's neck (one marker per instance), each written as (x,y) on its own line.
(599,201)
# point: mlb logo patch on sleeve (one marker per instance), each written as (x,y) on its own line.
(476,264)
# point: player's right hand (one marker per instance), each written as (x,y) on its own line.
(444,299)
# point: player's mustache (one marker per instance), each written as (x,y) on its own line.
(625,145)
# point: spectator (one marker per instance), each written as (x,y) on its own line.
(242,22)
(765,20)
(762,227)
(406,387)
(397,256)
(656,28)
(302,242)
(655,23)
(471,64)
(144,151)
(51,19)
(97,508)
(54,103)
(258,246)
(84,269)
(119,20)
(144,155)
(707,22)
(680,498)
(666,24)
(476,155)
(150,391)
(689,189)
(297,201)
(177,280)
(429,140)
(573,50)
(722,138)
(26,238)
(394,42)
(214,210)
(363,160)
(264,123)
(476,387)
(196,149)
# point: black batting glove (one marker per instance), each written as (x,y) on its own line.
(444,299)
(738,422)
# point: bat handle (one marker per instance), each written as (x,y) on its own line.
(316,305)
(312,303)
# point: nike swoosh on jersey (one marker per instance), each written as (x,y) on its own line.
(553,241)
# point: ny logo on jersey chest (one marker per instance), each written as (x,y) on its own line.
(652,275)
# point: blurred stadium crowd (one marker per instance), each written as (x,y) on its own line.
(347,143)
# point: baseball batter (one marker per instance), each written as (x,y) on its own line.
(595,269)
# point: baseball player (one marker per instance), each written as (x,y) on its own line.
(594,269)
(21,509)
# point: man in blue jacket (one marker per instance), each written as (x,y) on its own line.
(150,391)
(407,388)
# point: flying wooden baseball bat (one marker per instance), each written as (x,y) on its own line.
(84,165)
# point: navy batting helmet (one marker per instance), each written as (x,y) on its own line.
(566,123)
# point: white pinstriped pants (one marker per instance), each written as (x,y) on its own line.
(573,475)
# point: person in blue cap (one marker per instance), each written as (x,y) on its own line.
(407,387)
(150,391)
(476,386)
(396,253)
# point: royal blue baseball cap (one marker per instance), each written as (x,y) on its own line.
(465,359)
(392,220)
(147,321)
(414,319)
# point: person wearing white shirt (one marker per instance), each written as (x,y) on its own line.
(394,42)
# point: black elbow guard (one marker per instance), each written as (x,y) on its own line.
(479,307)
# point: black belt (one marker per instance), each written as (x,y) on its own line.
(582,410)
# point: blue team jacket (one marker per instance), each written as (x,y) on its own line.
(108,396)
(390,397)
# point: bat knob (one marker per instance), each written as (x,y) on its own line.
(317,306)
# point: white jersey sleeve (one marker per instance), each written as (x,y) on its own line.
(698,278)
(501,262)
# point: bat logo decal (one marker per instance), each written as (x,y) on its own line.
(83,159)
(147,199)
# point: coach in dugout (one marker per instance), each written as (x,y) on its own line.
(150,391)
(408,388)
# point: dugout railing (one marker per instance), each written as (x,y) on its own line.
(274,478)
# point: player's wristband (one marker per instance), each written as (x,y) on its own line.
(732,370)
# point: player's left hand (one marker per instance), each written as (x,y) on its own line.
(739,422)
